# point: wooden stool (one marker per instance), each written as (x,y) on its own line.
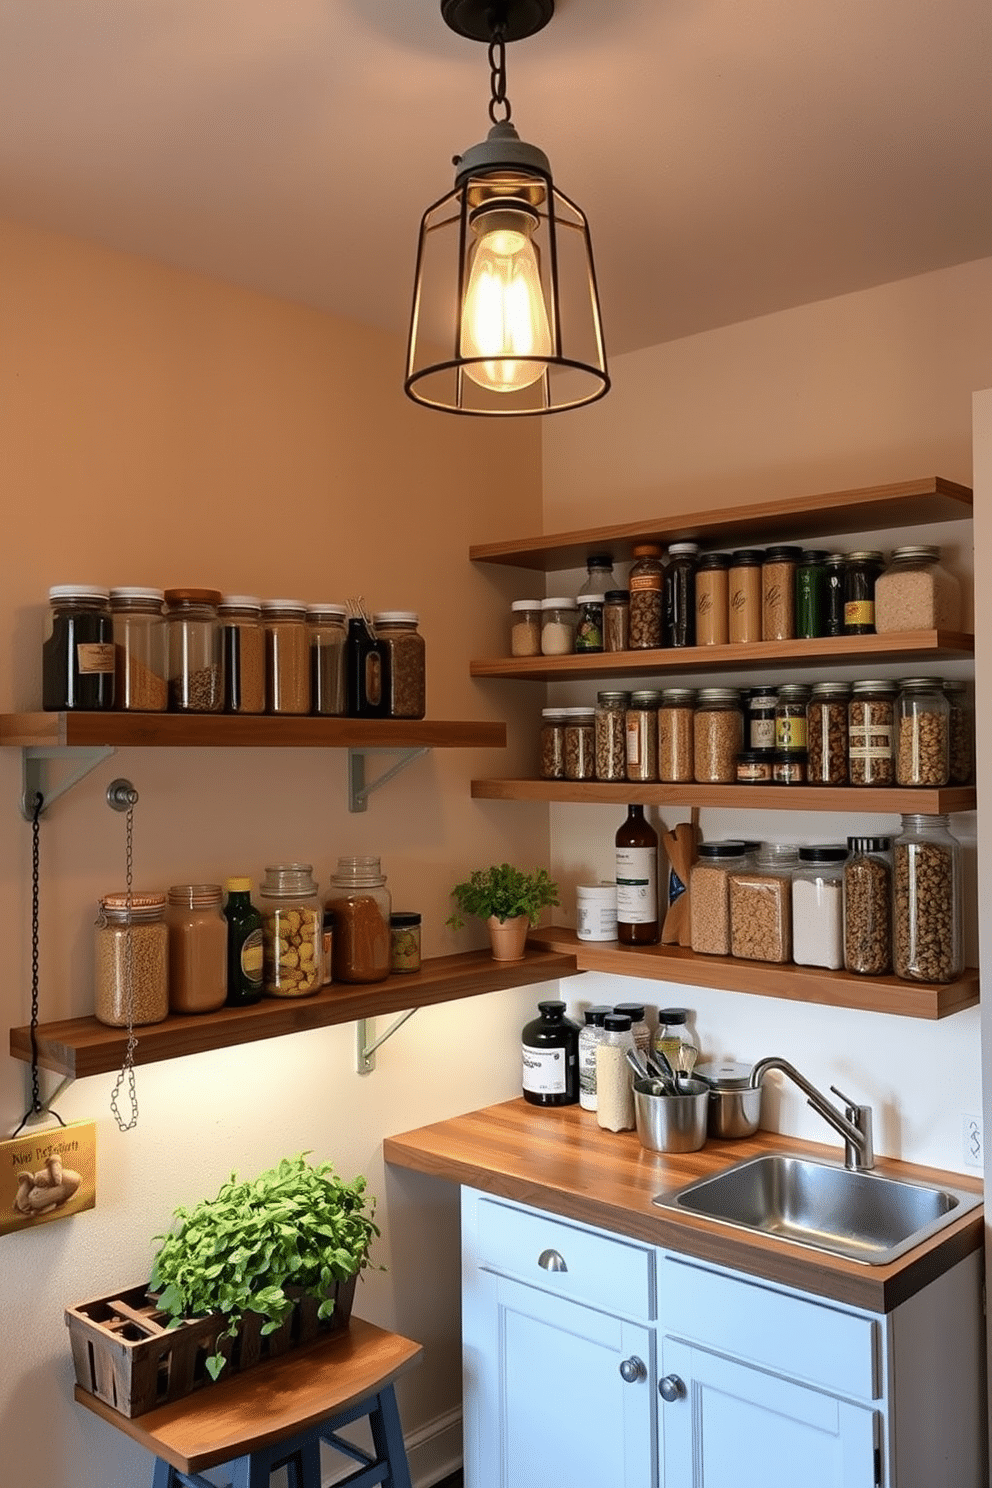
(276,1415)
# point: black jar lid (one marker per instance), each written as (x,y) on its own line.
(747,557)
(714,560)
(616,1023)
(783,554)
(633,1010)
(670,1016)
(814,555)
(617,596)
(551,1010)
(832,852)
(730,849)
(404,920)
(594,1015)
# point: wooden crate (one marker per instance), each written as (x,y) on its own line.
(125,1353)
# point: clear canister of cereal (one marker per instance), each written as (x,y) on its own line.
(826,733)
(871,733)
(292,931)
(580,743)
(927,944)
(923,733)
(868,906)
(611,735)
(642,735)
(131,960)
(717,735)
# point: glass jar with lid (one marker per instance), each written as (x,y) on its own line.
(962,733)
(923,733)
(672,1036)
(196,671)
(927,944)
(553,722)
(717,735)
(406,668)
(778,593)
(614,1079)
(790,718)
(404,942)
(818,907)
(712,600)
(834,569)
(360,906)
(525,627)
(611,735)
(580,743)
(676,716)
(559,618)
(197,948)
(327,635)
(616,620)
(826,733)
(709,896)
(292,930)
(140,651)
(860,574)
(639,1029)
(810,588)
(589,628)
(642,735)
(868,906)
(680,594)
(600,577)
(287,656)
(871,733)
(759,725)
(243,644)
(131,960)
(744,596)
(590,1035)
(761,905)
(647,597)
(77,658)
(916,592)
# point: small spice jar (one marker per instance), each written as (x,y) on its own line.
(709,896)
(778,593)
(292,931)
(611,735)
(810,577)
(759,721)
(326,628)
(818,907)
(360,905)
(140,651)
(712,599)
(600,578)
(639,1029)
(868,906)
(558,622)
(790,718)
(860,573)
(744,596)
(761,905)
(680,594)
(287,656)
(197,948)
(754,766)
(525,627)
(243,644)
(647,597)
(589,630)
(717,735)
(580,743)
(834,569)
(642,735)
(789,767)
(676,717)
(77,658)
(404,941)
(131,960)
(826,733)
(672,1035)
(962,733)
(196,671)
(406,662)
(871,733)
(552,765)
(915,592)
(923,733)
(927,944)
(616,620)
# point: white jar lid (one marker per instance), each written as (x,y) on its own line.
(78,591)
(334,611)
(119,595)
(283,604)
(560,603)
(396,617)
(607,892)
(526,604)
(240,601)
(589,599)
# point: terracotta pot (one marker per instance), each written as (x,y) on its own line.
(508,937)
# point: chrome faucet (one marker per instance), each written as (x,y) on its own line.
(854,1124)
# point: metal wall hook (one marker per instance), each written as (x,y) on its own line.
(121,795)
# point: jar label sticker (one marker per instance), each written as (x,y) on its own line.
(545,1071)
(859,612)
(251,960)
(645,581)
(95,656)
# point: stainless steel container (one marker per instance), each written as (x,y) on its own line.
(734,1107)
(671,1123)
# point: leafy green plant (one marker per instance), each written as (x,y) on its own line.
(505,892)
(294,1224)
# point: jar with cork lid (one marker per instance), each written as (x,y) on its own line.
(131,960)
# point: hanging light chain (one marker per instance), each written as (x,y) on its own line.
(497,74)
(126,1071)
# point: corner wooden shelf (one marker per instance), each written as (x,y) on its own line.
(850,798)
(224,731)
(761,978)
(82,1046)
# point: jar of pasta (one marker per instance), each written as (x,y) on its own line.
(292,931)
(360,906)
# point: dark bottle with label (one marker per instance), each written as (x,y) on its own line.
(244,945)
(637,880)
(367,671)
(78,655)
(680,594)
(550,1057)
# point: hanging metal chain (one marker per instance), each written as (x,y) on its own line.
(497,75)
(126,1072)
(39,801)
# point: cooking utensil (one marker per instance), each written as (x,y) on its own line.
(734,1107)
(688,1054)
(636,1062)
(671,1121)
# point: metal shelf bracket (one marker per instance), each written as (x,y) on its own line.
(359,789)
(364,1031)
(53,772)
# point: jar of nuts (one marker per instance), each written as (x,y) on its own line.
(611,735)
(927,943)
(717,735)
(553,743)
(131,960)
(923,733)
(868,906)
(871,733)
(647,598)
(642,735)
(826,733)
(292,931)
(360,906)
(580,743)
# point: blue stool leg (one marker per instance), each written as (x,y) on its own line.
(388,1437)
(162,1474)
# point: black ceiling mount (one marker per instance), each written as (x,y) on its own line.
(475,18)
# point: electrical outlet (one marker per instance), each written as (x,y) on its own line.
(972,1141)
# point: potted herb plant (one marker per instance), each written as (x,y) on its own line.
(509,900)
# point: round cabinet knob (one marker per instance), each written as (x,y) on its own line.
(671,1388)
(632,1370)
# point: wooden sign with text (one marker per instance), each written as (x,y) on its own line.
(47,1174)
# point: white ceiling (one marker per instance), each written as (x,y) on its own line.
(733,156)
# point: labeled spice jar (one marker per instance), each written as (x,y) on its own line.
(818,907)
(761,905)
(712,586)
(404,942)
(580,743)
(744,596)
(131,960)
(287,656)
(717,735)
(834,569)
(923,733)
(759,723)
(525,627)
(778,593)
(366,670)
(559,618)
(140,650)
(616,620)
(871,733)
(77,658)
(868,906)
(196,671)
(406,662)
(642,735)
(327,633)
(754,766)
(360,905)
(647,597)
(860,573)
(810,577)
(826,733)
(197,948)
(589,1038)
(680,594)
(927,945)
(676,717)
(243,648)
(292,939)
(789,767)
(611,735)
(962,733)
(709,896)
(790,718)
(916,592)
(245,954)
(589,629)
(552,763)
(614,1079)
(549,1056)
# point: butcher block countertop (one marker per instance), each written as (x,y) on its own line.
(559,1160)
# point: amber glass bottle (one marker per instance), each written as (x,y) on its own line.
(637,880)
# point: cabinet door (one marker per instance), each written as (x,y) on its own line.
(545,1401)
(737,1427)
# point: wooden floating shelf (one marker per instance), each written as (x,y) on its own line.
(868,509)
(82,1046)
(759,978)
(221,730)
(890,799)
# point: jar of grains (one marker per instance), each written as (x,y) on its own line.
(77,658)
(834,569)
(915,592)
(927,944)
(360,906)
(580,743)
(868,906)
(611,735)
(790,718)
(826,733)
(712,590)
(243,647)
(404,942)
(818,907)
(131,960)
(759,721)
(553,743)
(680,594)
(589,630)
(525,627)
(709,896)
(923,733)
(328,694)
(558,622)
(287,656)
(407,662)
(642,735)
(871,733)
(761,905)
(140,651)
(778,593)
(810,579)
(860,573)
(614,1080)
(962,733)
(676,714)
(197,948)
(717,735)
(292,931)
(744,596)
(755,766)
(789,767)
(616,620)
(196,672)
(647,597)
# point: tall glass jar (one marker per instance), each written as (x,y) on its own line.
(616,620)
(197,948)
(590,1036)
(680,594)
(927,901)
(709,896)
(326,624)
(744,596)
(778,593)
(140,651)
(761,905)
(962,732)
(860,573)
(712,600)
(718,735)
(834,569)
(600,577)
(553,722)
(642,735)
(868,906)
(611,735)
(360,905)
(923,733)
(131,960)
(916,592)
(580,743)
(614,1078)
(818,907)
(397,629)
(871,733)
(287,656)
(676,716)
(810,586)
(826,733)
(196,670)
(647,597)
(77,659)
(243,642)
(292,932)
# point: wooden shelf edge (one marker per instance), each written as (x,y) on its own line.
(893,800)
(79,1047)
(760,978)
(219,730)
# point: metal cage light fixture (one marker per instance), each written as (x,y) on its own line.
(505,308)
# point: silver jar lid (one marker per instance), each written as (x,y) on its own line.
(725,1075)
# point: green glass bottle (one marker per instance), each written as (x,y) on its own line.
(244,944)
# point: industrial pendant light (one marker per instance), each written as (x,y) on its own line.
(505,311)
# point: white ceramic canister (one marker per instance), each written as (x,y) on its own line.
(596,911)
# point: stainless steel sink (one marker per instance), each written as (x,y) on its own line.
(862,1216)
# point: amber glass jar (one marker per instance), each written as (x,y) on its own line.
(647,597)
(197,948)
(360,906)
(287,656)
